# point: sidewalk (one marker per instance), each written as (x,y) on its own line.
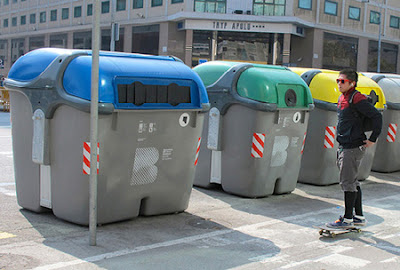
(217,231)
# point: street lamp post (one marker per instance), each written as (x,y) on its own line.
(94,117)
(112,42)
(378,68)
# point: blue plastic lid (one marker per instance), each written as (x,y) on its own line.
(29,66)
(129,81)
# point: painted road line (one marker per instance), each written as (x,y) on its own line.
(7,184)
(391,260)
(8,192)
(271,258)
(373,178)
(8,154)
(296,264)
(245,229)
(4,235)
(344,261)
(289,263)
(123,252)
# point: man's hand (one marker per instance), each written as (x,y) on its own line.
(368,143)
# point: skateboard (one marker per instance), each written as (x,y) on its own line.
(332,232)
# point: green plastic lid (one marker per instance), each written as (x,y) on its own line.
(263,83)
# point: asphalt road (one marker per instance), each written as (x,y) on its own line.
(217,231)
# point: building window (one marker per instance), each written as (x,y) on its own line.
(3,51)
(305,4)
(176,1)
(339,52)
(145,39)
(23,20)
(53,15)
(137,4)
(65,13)
(36,42)
(106,40)
(17,49)
(156,3)
(5,23)
(14,21)
(89,11)
(3,45)
(15,1)
(121,5)
(105,7)
(6,2)
(212,6)
(269,7)
(394,22)
(82,40)
(330,7)
(42,17)
(374,17)
(201,46)
(59,41)
(32,18)
(77,12)
(389,53)
(354,13)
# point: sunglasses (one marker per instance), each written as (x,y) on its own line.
(342,81)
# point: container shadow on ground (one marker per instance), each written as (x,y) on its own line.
(309,208)
(382,244)
(308,205)
(368,238)
(187,238)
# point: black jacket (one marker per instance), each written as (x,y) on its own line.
(349,128)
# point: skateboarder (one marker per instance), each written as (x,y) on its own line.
(352,144)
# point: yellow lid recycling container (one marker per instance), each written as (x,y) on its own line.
(319,156)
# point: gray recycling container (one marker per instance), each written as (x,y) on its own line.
(387,155)
(151,112)
(254,130)
(318,164)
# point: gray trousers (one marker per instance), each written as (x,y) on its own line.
(348,162)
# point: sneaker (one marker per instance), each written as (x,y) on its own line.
(359,221)
(341,224)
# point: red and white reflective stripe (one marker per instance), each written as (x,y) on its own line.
(257,149)
(392,131)
(86,157)
(197,152)
(304,141)
(329,137)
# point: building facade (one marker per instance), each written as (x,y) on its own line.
(331,34)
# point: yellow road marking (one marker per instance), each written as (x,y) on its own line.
(4,235)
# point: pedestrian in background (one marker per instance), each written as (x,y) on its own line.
(352,107)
